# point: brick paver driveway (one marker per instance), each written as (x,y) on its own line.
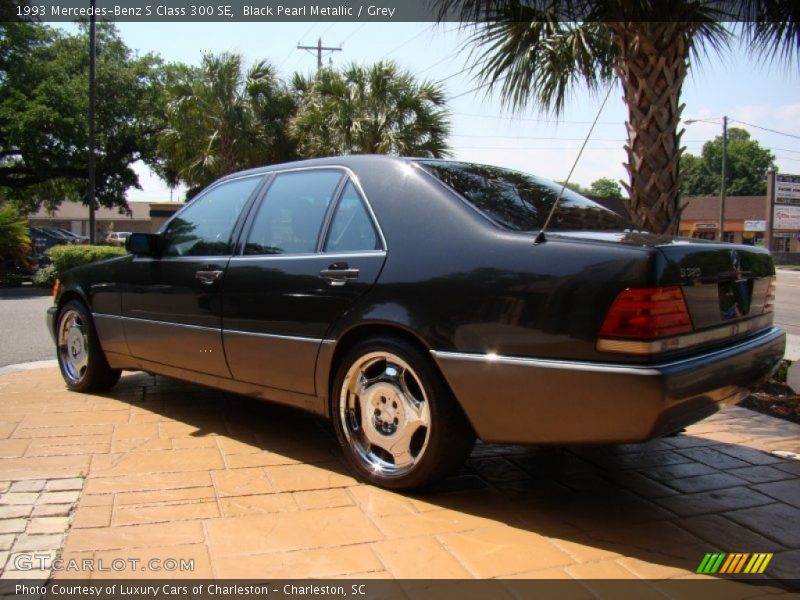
(163,469)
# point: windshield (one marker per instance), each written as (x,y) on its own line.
(521,202)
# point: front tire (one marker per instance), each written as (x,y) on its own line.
(80,357)
(396,420)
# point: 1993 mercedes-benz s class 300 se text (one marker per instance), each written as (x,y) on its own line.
(406,300)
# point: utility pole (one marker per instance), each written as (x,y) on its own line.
(92,94)
(319,49)
(722,185)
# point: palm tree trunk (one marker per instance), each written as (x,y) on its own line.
(652,65)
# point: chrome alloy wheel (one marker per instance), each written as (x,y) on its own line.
(385,413)
(73,346)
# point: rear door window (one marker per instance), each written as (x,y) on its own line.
(289,220)
(351,229)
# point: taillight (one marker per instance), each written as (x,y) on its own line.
(769,298)
(647,313)
(56,289)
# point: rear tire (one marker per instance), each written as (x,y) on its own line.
(82,361)
(395,418)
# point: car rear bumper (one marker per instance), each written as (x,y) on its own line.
(532,401)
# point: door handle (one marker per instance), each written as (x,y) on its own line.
(208,277)
(338,274)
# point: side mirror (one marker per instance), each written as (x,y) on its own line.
(144,244)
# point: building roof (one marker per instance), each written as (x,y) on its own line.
(77,211)
(706,208)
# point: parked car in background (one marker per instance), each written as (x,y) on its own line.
(413,303)
(46,237)
(118,238)
(76,238)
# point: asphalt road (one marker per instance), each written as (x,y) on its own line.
(25,337)
(22,328)
(787,301)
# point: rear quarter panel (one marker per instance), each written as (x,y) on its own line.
(462,284)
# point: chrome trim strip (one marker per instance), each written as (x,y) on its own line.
(240,257)
(356,182)
(234,331)
(682,342)
(545,363)
(137,319)
(275,336)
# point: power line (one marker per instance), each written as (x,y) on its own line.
(513,118)
(438,62)
(352,33)
(475,89)
(404,44)
(791,135)
(568,139)
(285,58)
(319,49)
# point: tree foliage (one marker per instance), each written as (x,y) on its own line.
(538,53)
(13,232)
(221,120)
(43,114)
(376,109)
(605,187)
(745,171)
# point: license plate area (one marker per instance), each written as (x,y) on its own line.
(735,298)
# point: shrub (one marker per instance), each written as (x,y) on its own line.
(45,277)
(66,257)
(13,232)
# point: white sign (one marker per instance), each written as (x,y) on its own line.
(787,186)
(786,217)
(706,225)
(755,225)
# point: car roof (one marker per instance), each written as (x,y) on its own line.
(351,161)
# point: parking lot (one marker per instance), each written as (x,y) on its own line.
(166,470)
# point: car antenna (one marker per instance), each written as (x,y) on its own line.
(540,236)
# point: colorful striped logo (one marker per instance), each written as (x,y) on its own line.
(734,563)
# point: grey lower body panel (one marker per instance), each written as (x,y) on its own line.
(302,401)
(530,401)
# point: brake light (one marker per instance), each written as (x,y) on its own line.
(647,313)
(769,298)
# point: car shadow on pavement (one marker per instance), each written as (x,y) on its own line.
(651,510)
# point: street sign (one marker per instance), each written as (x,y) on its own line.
(786,217)
(755,225)
(787,187)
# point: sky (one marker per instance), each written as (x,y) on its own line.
(734,84)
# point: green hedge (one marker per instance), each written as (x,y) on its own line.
(66,257)
(45,277)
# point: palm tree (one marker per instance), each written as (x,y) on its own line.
(540,52)
(369,110)
(220,120)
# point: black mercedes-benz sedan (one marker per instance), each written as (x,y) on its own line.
(415,303)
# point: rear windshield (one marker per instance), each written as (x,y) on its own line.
(521,202)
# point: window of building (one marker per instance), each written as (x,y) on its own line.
(351,229)
(290,217)
(781,244)
(729,237)
(205,226)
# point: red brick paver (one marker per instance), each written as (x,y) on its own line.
(161,469)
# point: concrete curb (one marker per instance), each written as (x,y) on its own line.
(792,347)
(28,366)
